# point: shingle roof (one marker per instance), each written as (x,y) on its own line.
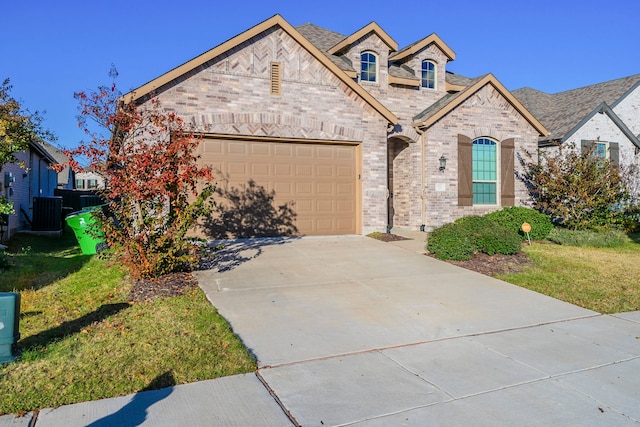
(325,39)
(60,158)
(402,71)
(457,79)
(443,102)
(561,112)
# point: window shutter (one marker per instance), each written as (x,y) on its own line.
(614,153)
(585,146)
(276,78)
(507,178)
(465,171)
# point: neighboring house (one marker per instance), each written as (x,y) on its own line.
(89,181)
(37,179)
(606,115)
(350,132)
(66,176)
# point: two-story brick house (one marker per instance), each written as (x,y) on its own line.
(351,132)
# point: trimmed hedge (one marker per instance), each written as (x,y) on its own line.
(451,242)
(470,234)
(498,240)
(513,218)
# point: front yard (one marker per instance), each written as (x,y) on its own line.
(86,335)
(606,280)
(83,338)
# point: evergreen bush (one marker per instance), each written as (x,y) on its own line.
(513,218)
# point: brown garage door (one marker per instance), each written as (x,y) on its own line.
(316,181)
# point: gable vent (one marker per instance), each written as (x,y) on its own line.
(276,78)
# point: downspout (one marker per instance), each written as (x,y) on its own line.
(390,128)
(423,213)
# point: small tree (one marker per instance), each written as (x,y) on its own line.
(579,190)
(155,189)
(18,127)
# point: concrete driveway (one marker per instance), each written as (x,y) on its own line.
(352,331)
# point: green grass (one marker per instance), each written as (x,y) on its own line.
(600,279)
(81,339)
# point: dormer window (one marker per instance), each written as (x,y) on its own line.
(428,80)
(368,67)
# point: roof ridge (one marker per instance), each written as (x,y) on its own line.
(600,84)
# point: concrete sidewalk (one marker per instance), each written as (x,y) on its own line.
(352,331)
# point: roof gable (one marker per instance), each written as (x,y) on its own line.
(421,44)
(562,112)
(370,28)
(603,108)
(449,102)
(276,20)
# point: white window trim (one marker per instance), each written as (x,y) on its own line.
(498,174)
(435,74)
(377,67)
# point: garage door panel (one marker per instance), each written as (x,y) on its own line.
(259,170)
(283,189)
(237,148)
(325,206)
(325,171)
(316,181)
(324,188)
(304,151)
(282,170)
(260,150)
(282,150)
(325,152)
(234,168)
(304,170)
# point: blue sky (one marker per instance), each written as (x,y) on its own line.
(51,49)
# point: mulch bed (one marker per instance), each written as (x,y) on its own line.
(387,237)
(495,264)
(169,285)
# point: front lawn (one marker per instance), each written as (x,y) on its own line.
(606,280)
(83,339)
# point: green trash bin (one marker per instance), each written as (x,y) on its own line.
(81,223)
(9,325)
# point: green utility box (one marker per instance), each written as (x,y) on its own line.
(9,325)
(82,223)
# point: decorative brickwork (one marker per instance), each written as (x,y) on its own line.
(233,94)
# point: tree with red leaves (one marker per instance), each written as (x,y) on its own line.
(155,189)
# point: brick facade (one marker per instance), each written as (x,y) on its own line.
(230,95)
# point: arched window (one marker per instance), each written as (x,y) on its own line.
(368,67)
(428,74)
(485,171)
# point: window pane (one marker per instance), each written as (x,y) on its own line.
(485,175)
(484,193)
(428,74)
(484,160)
(368,67)
(600,151)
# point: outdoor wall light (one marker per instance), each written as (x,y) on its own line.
(443,163)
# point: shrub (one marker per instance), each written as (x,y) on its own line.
(451,241)
(578,189)
(602,239)
(498,240)
(157,191)
(513,218)
(459,240)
